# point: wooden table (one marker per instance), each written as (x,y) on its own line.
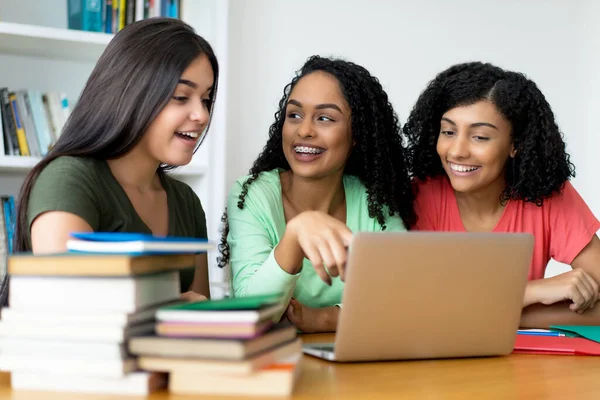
(511,377)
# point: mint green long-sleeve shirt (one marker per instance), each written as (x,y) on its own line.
(255,230)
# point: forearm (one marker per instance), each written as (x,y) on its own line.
(200,283)
(265,279)
(289,254)
(541,316)
(329,320)
(531,297)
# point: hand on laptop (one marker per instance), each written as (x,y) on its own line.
(320,238)
(576,285)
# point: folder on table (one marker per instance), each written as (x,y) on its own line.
(590,332)
(555,345)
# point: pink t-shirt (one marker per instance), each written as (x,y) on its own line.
(562,226)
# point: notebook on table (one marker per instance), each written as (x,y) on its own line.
(555,345)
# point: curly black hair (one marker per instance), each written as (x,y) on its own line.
(541,165)
(378,158)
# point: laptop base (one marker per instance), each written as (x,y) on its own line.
(320,350)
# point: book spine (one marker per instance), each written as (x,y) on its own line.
(9,123)
(108,16)
(4,144)
(52,123)
(27,121)
(4,241)
(122,13)
(8,206)
(139,9)
(92,16)
(40,121)
(131,4)
(115,16)
(74,13)
(175,9)
(22,139)
(157,8)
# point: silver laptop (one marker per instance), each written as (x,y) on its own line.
(422,295)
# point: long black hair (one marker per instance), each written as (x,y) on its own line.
(131,83)
(378,157)
(541,164)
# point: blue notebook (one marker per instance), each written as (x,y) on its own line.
(135,243)
(130,237)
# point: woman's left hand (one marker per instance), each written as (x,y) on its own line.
(312,320)
(192,296)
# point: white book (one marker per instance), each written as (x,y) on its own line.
(134,383)
(48,348)
(139,9)
(109,318)
(139,246)
(219,316)
(84,333)
(90,294)
(74,367)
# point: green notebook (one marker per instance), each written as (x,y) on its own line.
(235,303)
(588,332)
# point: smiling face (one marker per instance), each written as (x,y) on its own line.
(174,134)
(474,145)
(317,137)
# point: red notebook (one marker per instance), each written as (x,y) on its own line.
(532,344)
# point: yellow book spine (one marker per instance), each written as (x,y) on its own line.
(122,13)
(21,139)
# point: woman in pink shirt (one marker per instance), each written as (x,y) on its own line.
(487,156)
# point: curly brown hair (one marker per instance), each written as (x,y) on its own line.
(541,165)
(378,158)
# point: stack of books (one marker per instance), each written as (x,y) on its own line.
(223,347)
(70,315)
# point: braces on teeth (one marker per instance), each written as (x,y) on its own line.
(303,149)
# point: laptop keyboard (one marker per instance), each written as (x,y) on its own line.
(325,347)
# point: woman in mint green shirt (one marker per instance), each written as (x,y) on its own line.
(333,164)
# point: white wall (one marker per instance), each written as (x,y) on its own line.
(586,141)
(405,43)
(210,19)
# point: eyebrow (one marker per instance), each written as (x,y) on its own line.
(191,84)
(473,125)
(318,107)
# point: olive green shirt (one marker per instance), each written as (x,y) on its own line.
(87,188)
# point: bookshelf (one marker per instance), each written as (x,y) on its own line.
(43,41)
(17,164)
(38,52)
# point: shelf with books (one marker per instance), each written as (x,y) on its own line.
(42,41)
(17,163)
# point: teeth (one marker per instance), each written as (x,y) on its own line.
(192,135)
(462,168)
(308,150)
